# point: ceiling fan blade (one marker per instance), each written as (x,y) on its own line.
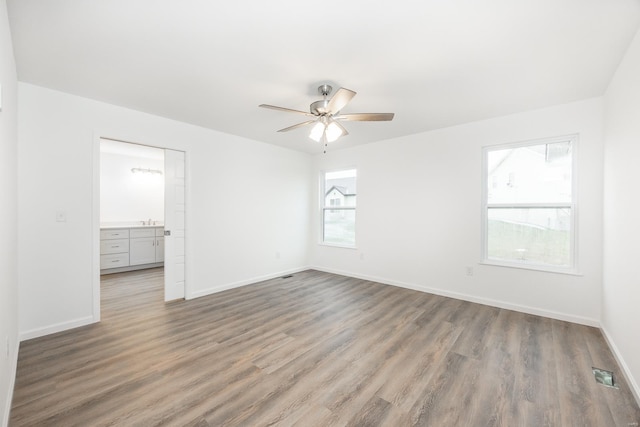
(339,100)
(273,107)
(299,125)
(366,117)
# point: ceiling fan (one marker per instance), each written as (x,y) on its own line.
(326,115)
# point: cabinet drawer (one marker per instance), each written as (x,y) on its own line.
(159,232)
(115,233)
(114,261)
(114,246)
(142,232)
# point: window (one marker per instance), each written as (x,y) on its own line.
(339,208)
(529,204)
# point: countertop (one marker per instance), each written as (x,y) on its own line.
(112,225)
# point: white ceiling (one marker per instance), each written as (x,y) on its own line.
(435,63)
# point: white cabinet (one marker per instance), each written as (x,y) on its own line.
(142,250)
(114,261)
(114,248)
(114,233)
(136,233)
(146,246)
(131,248)
(159,244)
(142,246)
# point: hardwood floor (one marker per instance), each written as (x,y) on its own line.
(314,350)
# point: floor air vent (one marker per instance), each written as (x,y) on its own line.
(288,276)
(604,377)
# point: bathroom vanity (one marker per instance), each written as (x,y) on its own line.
(126,248)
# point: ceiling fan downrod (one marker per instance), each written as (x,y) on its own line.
(319,108)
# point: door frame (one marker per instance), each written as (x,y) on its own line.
(95,211)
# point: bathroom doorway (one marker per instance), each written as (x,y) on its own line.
(141,213)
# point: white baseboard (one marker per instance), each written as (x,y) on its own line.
(244,282)
(58,327)
(131,268)
(471,298)
(633,385)
(12,383)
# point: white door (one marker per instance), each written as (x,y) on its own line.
(174,224)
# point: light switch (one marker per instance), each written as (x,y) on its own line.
(61,216)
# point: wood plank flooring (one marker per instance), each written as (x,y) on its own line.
(314,350)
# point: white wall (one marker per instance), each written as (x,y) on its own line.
(8,217)
(246,201)
(129,197)
(621,302)
(418,216)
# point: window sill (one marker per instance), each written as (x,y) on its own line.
(534,267)
(335,245)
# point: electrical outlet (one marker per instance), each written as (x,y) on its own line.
(469,271)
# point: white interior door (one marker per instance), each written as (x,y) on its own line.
(174,224)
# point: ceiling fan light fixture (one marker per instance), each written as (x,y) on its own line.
(316,131)
(333,132)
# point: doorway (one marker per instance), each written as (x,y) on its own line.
(139,220)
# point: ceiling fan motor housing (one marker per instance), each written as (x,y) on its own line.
(319,108)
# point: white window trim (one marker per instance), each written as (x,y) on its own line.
(572,269)
(323,207)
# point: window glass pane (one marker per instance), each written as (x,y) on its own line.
(340,188)
(531,235)
(532,174)
(339,226)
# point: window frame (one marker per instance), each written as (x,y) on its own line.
(572,268)
(324,207)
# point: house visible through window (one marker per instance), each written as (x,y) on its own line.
(529,204)
(339,208)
